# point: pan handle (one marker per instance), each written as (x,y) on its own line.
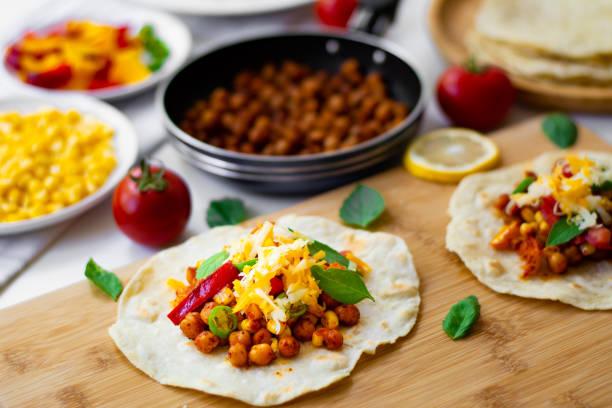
(373,16)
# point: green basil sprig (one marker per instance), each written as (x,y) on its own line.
(461,317)
(211,264)
(562,232)
(560,129)
(343,285)
(523,185)
(331,255)
(605,186)
(362,206)
(225,212)
(158,50)
(105,280)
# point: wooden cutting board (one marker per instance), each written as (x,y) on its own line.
(55,350)
(449,21)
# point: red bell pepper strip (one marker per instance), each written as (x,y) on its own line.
(54,78)
(205,290)
(276,286)
(12,57)
(548,210)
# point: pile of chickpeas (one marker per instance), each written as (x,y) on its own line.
(287,108)
(257,342)
(527,222)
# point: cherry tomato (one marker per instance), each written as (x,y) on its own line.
(335,12)
(599,237)
(276,286)
(473,97)
(54,78)
(151,205)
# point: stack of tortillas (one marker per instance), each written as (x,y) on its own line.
(567,41)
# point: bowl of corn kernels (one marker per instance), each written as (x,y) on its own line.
(58,158)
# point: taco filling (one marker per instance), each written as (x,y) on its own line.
(266,292)
(557,220)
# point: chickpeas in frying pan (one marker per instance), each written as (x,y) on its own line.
(287,109)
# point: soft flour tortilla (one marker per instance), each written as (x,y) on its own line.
(567,28)
(527,63)
(474,223)
(153,344)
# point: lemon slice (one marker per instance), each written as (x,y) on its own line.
(447,155)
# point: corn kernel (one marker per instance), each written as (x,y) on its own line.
(330,320)
(538,217)
(275,327)
(224,297)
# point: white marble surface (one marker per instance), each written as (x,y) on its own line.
(95,234)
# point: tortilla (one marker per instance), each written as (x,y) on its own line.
(154,345)
(474,223)
(567,28)
(527,63)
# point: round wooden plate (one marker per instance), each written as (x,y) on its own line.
(449,20)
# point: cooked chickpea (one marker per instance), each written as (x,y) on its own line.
(285,333)
(501,202)
(238,355)
(262,336)
(543,226)
(587,249)
(318,337)
(557,262)
(348,314)
(288,346)
(250,325)
(330,320)
(333,339)
(309,316)
(253,312)
(206,341)
(329,301)
(206,310)
(192,325)
(573,254)
(528,228)
(303,329)
(240,336)
(261,354)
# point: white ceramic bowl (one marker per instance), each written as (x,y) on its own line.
(170,29)
(125,143)
(225,7)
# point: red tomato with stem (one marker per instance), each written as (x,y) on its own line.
(335,12)
(475,97)
(151,205)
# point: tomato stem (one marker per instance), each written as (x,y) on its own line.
(471,65)
(147,180)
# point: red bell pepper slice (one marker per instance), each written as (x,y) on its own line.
(54,78)
(548,210)
(12,57)
(123,39)
(277,286)
(205,290)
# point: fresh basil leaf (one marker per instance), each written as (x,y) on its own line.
(523,185)
(158,50)
(362,206)
(605,186)
(211,264)
(461,317)
(562,232)
(331,255)
(560,129)
(342,285)
(240,266)
(105,280)
(225,212)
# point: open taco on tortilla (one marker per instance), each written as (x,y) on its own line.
(540,229)
(268,314)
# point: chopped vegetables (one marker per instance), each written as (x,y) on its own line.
(222,321)
(556,220)
(461,317)
(270,289)
(362,207)
(105,280)
(80,55)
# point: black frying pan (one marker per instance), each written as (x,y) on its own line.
(319,50)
